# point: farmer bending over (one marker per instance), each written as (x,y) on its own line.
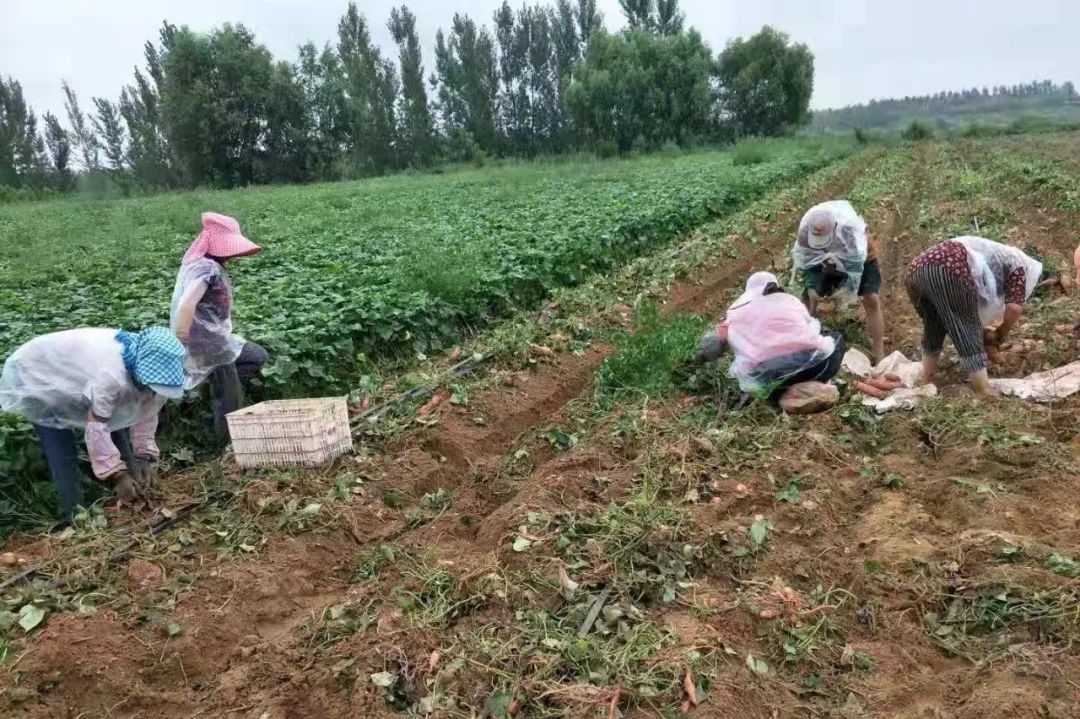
(961,286)
(107,382)
(201,316)
(833,250)
(775,341)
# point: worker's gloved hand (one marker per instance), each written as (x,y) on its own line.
(710,348)
(126,489)
(144,474)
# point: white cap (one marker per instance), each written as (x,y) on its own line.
(821,229)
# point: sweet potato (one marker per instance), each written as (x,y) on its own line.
(883,383)
(871,391)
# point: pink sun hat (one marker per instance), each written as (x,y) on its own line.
(220,237)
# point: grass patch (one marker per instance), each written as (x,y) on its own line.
(436,597)
(750,152)
(337,623)
(573,675)
(647,360)
(815,640)
(370,562)
(965,621)
(917,131)
(553,649)
(999,427)
(540,663)
(640,548)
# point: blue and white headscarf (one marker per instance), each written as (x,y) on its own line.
(155,358)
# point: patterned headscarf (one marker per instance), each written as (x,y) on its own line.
(155,358)
(220,237)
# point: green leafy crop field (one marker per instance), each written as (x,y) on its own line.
(381,266)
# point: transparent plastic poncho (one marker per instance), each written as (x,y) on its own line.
(847,252)
(772,336)
(991,263)
(211,342)
(55,379)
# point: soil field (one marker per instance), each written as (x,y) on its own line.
(588,527)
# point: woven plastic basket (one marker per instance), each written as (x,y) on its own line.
(290,432)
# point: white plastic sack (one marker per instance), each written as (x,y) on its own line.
(772,336)
(1047,386)
(809,398)
(990,263)
(848,249)
(211,342)
(53,380)
(909,372)
(905,398)
(896,363)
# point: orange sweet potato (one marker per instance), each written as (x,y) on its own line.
(871,391)
(883,383)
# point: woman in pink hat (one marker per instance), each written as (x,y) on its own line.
(201,316)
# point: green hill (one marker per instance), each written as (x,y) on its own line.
(991,106)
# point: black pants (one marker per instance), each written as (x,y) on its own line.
(227,384)
(770,373)
(62,456)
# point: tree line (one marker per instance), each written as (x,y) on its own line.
(1018,98)
(218,109)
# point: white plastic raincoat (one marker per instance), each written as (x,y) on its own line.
(847,250)
(53,380)
(773,336)
(85,378)
(991,263)
(211,342)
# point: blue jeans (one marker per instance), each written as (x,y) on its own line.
(62,456)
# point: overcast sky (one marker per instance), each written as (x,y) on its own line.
(863,48)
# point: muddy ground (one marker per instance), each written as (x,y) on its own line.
(527,549)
